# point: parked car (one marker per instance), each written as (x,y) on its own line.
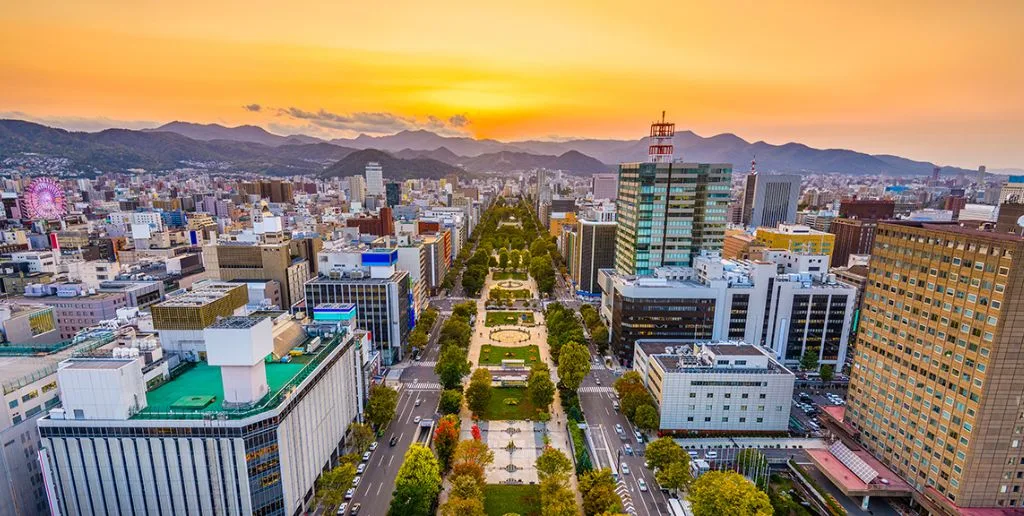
(355,508)
(342,508)
(366,456)
(349,494)
(711,454)
(373,446)
(360,469)
(355,481)
(418,401)
(641,484)
(692,454)
(416,420)
(639,436)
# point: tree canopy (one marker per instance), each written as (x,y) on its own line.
(417,484)
(725,492)
(381,406)
(478,393)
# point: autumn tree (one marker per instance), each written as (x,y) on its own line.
(331,486)
(664,451)
(725,492)
(361,436)
(446,437)
(598,490)
(646,418)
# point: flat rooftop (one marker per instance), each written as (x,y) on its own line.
(98,364)
(236,323)
(887,483)
(735,349)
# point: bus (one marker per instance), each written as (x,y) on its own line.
(676,507)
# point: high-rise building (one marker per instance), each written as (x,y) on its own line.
(852,236)
(393,194)
(604,186)
(936,385)
(594,249)
(285,262)
(668,213)
(357,189)
(234,433)
(770,200)
(798,239)
(374,179)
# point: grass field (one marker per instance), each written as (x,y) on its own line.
(519,293)
(493,355)
(521,276)
(508,318)
(500,499)
(498,410)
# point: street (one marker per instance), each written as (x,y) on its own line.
(601,418)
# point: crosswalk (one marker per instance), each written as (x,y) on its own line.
(425,363)
(593,389)
(627,501)
(423,386)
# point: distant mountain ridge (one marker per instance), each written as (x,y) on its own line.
(394,168)
(242,133)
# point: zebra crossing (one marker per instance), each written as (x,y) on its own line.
(425,363)
(627,501)
(593,389)
(423,386)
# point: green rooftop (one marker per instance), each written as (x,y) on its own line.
(198,392)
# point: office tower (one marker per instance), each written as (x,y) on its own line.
(668,213)
(604,186)
(716,387)
(770,200)
(874,209)
(786,302)
(393,194)
(852,237)
(284,262)
(936,385)
(936,174)
(181,318)
(374,179)
(357,189)
(369,279)
(594,249)
(235,433)
(797,238)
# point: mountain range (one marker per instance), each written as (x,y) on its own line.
(416,153)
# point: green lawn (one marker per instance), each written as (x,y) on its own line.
(519,293)
(493,355)
(521,276)
(508,318)
(500,499)
(498,410)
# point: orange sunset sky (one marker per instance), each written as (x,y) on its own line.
(937,81)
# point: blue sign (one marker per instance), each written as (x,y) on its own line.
(380,257)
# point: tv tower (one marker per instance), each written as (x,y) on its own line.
(660,150)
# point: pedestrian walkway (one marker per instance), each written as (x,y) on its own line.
(424,363)
(622,490)
(595,389)
(423,386)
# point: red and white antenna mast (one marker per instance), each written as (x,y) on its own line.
(660,150)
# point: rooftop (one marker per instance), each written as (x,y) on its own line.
(236,322)
(98,364)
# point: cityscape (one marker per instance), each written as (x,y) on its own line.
(422,298)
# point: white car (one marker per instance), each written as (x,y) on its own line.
(416,420)
(418,401)
(373,446)
(366,456)
(342,508)
(625,469)
(711,454)
(597,381)
(641,484)
(692,454)
(360,469)
(355,481)
(349,494)
(618,428)
(639,436)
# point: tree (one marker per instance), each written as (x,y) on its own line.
(464,311)
(598,490)
(463,507)
(725,492)
(417,484)
(381,406)
(630,381)
(573,365)
(451,401)
(664,451)
(451,366)
(539,247)
(646,418)
(809,360)
(556,499)
(827,372)
(361,436)
(513,259)
(493,262)
(478,394)
(552,462)
(600,337)
(465,486)
(331,487)
(634,400)
(675,476)
(540,387)
(418,339)
(542,271)
(446,437)
(456,331)
(503,259)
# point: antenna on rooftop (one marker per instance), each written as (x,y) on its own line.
(660,150)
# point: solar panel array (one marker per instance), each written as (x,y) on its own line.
(851,460)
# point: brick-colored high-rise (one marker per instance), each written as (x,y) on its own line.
(937,386)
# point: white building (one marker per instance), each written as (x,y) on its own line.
(724,387)
(374,179)
(38,261)
(196,444)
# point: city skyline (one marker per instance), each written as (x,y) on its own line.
(934,88)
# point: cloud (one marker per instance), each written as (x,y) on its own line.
(377,122)
(255,108)
(75,123)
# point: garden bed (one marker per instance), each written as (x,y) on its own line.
(493,355)
(509,404)
(501,499)
(508,318)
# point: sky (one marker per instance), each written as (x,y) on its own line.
(936,81)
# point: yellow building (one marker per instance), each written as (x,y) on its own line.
(556,223)
(740,245)
(797,239)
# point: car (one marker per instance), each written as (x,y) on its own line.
(342,508)
(355,481)
(639,436)
(628,449)
(615,405)
(355,508)
(711,454)
(692,454)
(641,484)
(618,429)
(349,494)
(418,402)
(597,381)
(373,446)
(416,420)
(360,469)
(625,469)
(394,440)
(647,464)
(366,456)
